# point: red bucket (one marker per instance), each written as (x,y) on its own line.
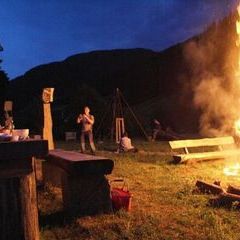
(121,197)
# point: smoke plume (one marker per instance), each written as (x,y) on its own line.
(215,86)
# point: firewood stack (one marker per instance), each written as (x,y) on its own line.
(224,198)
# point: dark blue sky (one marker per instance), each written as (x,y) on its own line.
(35,32)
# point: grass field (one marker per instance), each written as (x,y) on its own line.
(164,204)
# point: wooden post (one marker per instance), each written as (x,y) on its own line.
(18,198)
(120,128)
(47,97)
(29,206)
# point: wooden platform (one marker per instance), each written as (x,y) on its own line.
(195,149)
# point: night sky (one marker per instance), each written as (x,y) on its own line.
(35,32)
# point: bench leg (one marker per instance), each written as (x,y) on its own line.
(86,195)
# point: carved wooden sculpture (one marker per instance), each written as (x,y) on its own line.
(8,115)
(47,97)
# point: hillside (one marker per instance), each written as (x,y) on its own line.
(165,80)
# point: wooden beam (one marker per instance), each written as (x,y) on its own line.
(225,199)
(233,190)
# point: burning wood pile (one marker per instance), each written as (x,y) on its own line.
(225,198)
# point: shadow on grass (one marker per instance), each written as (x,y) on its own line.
(56,219)
(60,218)
(155,159)
(60,221)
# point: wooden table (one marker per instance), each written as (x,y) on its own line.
(18,201)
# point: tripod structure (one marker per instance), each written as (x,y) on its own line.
(116,111)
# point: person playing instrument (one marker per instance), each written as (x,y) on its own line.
(87,121)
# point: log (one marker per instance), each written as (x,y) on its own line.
(233,190)
(209,188)
(225,199)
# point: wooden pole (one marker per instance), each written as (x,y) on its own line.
(120,129)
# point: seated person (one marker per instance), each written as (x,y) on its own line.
(162,132)
(156,129)
(125,144)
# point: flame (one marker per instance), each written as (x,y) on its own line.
(238,38)
(234,170)
(237,127)
(238,21)
(237,122)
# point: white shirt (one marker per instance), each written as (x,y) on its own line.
(126,143)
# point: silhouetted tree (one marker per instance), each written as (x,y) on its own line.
(3,87)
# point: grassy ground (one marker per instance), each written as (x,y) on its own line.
(163,207)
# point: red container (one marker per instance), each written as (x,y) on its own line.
(121,197)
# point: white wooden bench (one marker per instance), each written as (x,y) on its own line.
(70,136)
(204,149)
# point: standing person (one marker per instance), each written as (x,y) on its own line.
(87,121)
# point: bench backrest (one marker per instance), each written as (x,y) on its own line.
(219,141)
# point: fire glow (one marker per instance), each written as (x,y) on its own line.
(237,122)
(237,127)
(234,170)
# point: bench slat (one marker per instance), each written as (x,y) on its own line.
(206,155)
(201,142)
